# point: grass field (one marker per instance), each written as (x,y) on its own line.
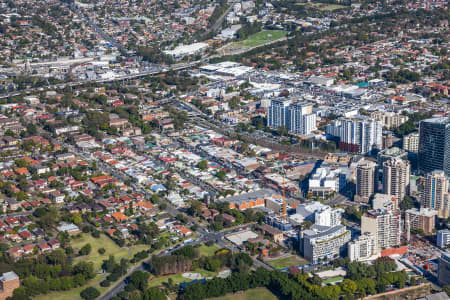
(158,281)
(324,6)
(208,251)
(259,294)
(138,248)
(333,279)
(261,38)
(287,262)
(177,278)
(102,242)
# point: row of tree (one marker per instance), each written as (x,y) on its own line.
(279,283)
(188,258)
(52,273)
(301,286)
(154,55)
(402,76)
(374,278)
(115,270)
(169,264)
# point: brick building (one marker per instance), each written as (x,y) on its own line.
(9,281)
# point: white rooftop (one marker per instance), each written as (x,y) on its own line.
(187,49)
(8,276)
(241,237)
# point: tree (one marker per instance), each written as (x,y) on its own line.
(221,175)
(328,292)
(203,165)
(85,268)
(348,74)
(20,293)
(21,163)
(357,270)
(195,208)
(57,257)
(139,280)
(407,203)
(33,285)
(384,265)
(89,293)
(8,132)
(402,76)
(154,294)
(363,112)
(180,217)
(234,102)
(79,280)
(39,212)
(31,129)
(155,198)
(85,250)
(366,286)
(353,213)
(148,232)
(109,264)
(154,55)
(306,225)
(213,265)
(401,280)
(282,130)
(381,284)
(76,218)
(4,247)
(244,148)
(447,289)
(133,295)
(315,280)
(348,286)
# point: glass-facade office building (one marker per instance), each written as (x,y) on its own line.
(434,145)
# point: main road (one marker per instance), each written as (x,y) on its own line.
(175,67)
(219,21)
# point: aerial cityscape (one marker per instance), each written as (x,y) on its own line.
(224,149)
